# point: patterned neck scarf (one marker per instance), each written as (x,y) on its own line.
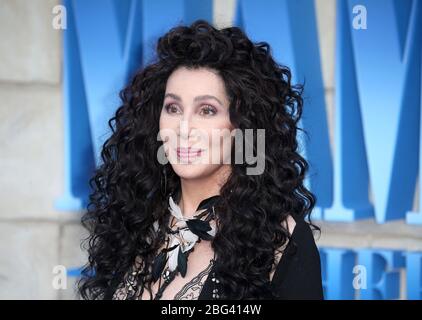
(183,236)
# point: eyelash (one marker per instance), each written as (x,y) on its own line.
(209,107)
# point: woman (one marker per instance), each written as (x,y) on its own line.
(176,214)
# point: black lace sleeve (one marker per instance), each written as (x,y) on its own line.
(298,274)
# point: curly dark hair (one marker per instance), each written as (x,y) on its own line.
(126,197)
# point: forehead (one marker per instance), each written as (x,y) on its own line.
(192,82)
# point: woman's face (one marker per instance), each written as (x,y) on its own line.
(194,123)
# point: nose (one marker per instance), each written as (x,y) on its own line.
(185,128)
(185,124)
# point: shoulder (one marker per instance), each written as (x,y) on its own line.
(290,225)
(303,235)
(298,274)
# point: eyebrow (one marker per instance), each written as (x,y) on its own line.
(197,98)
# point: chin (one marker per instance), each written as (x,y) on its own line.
(194,171)
(189,170)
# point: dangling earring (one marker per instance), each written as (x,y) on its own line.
(163,182)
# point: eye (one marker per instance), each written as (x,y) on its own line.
(208,110)
(171,108)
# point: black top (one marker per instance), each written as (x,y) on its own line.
(298,273)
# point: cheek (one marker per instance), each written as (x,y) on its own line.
(164,121)
(226,145)
(220,142)
(167,131)
(167,122)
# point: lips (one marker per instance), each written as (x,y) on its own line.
(188,152)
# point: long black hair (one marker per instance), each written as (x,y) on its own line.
(126,197)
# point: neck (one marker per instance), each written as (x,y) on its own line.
(196,190)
